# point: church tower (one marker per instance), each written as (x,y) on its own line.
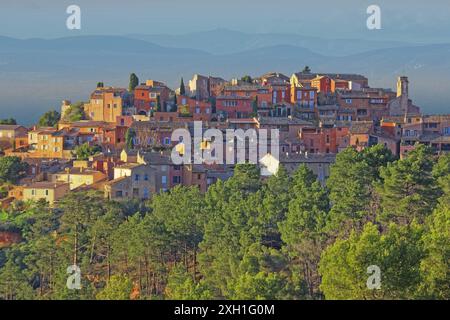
(402,87)
(403,93)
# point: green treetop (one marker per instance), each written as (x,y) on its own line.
(8,121)
(134,82)
(408,189)
(182,88)
(49,119)
(12,169)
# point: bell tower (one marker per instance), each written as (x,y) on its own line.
(402,87)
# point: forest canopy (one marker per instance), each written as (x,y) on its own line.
(286,237)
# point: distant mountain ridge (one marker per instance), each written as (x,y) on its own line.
(225,41)
(90,43)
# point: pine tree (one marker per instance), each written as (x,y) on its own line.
(181,286)
(303,230)
(275,206)
(435,267)
(118,288)
(350,192)
(397,253)
(14,284)
(408,190)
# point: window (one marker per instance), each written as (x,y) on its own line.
(176,179)
(447,131)
(46,192)
(167,141)
(328,139)
(230,103)
(199,176)
(146,193)
(33,192)
(119,194)
(348,101)
(136,177)
(361,112)
(164,179)
(145,177)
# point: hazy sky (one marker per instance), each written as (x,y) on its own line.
(411,20)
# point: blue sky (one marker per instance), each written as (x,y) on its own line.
(409,20)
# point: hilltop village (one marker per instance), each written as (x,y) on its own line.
(119,141)
(358,182)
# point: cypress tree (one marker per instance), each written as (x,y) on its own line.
(182,88)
